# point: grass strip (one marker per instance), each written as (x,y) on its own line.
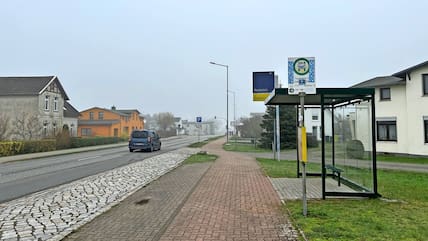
(203,143)
(243,147)
(399,215)
(200,158)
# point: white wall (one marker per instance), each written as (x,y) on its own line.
(408,106)
(309,123)
(394,108)
(417,107)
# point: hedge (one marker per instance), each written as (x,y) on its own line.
(9,148)
(93,141)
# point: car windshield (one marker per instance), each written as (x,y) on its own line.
(139,134)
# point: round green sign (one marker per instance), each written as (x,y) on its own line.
(301,66)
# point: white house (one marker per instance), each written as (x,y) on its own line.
(313,122)
(198,128)
(401,110)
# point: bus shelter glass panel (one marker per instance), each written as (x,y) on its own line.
(313,137)
(352,151)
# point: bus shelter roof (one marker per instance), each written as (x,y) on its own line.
(330,96)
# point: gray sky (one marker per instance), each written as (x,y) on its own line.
(153,55)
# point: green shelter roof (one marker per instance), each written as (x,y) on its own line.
(332,96)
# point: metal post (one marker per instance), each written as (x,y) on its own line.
(302,124)
(373,123)
(274,140)
(227,103)
(278,135)
(323,145)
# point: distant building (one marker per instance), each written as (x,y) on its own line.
(179,126)
(71,118)
(198,128)
(35,106)
(313,123)
(401,110)
(109,122)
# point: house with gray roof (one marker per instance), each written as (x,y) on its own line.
(35,106)
(401,110)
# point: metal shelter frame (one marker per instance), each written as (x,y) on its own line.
(331,98)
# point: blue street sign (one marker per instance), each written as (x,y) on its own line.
(263,84)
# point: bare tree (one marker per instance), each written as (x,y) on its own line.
(26,126)
(165,123)
(4,127)
(251,127)
(34,127)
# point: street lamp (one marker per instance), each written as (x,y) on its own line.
(227,98)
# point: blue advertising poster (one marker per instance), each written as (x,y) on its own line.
(263,84)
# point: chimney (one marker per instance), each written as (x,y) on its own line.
(113,107)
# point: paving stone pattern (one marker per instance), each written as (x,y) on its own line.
(54,213)
(145,214)
(233,201)
(291,188)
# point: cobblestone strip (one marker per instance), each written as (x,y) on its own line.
(144,215)
(54,213)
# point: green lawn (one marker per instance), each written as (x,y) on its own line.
(243,147)
(402,159)
(200,158)
(203,143)
(402,213)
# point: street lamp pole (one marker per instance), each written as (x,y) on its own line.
(234,112)
(227,98)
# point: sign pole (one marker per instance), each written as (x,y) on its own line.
(303,150)
(301,81)
(278,127)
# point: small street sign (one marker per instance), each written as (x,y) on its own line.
(263,84)
(301,75)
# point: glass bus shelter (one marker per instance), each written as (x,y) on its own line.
(347,155)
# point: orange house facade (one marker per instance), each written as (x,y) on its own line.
(109,122)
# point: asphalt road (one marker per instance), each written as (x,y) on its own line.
(20,178)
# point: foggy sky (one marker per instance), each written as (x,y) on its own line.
(154,55)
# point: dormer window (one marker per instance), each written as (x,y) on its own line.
(385,93)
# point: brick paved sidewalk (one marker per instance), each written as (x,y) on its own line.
(233,201)
(145,214)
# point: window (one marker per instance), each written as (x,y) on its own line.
(100,115)
(314,117)
(91,115)
(45,129)
(55,103)
(386,130)
(426,130)
(425,83)
(385,93)
(86,132)
(47,102)
(315,131)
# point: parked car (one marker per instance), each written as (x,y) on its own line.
(147,140)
